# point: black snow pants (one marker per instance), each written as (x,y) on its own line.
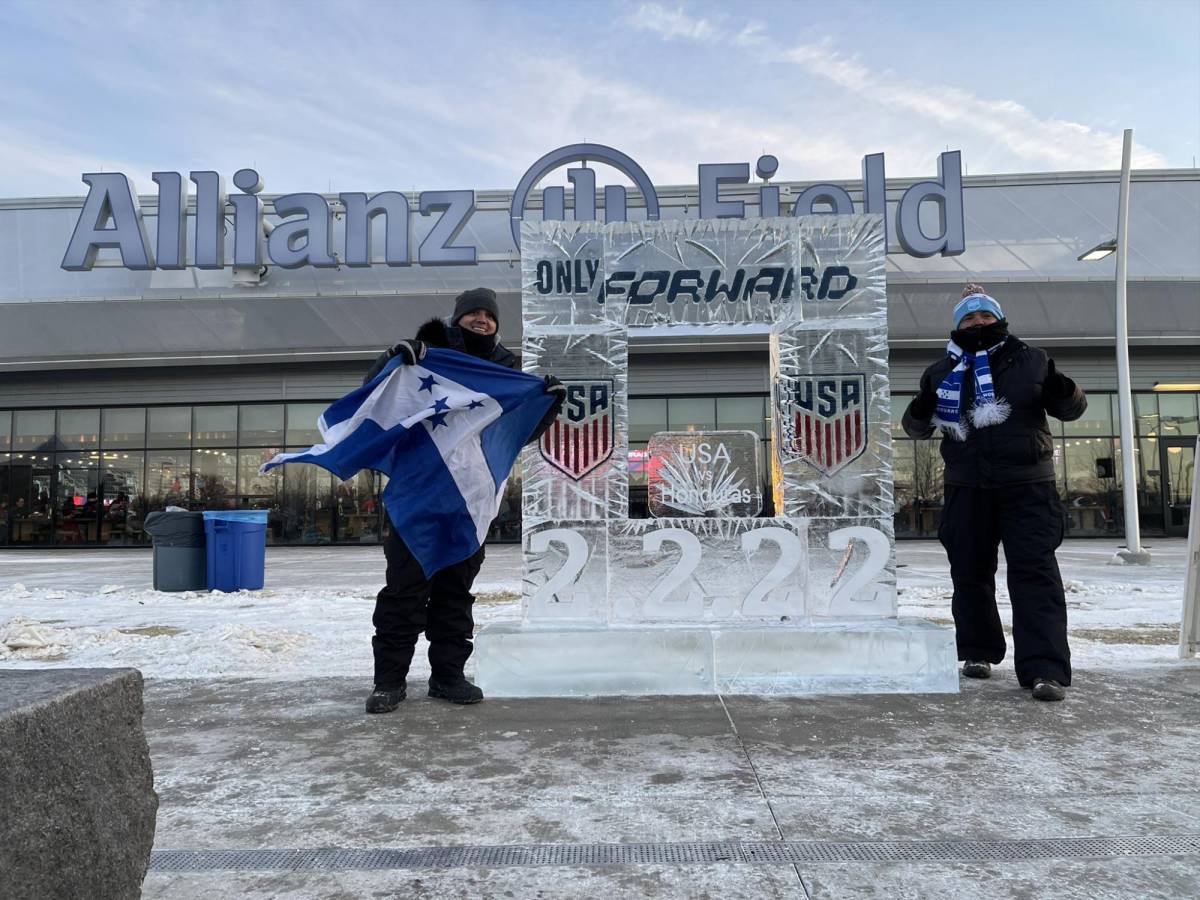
(1029,519)
(411,603)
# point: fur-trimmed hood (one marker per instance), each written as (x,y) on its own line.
(436,333)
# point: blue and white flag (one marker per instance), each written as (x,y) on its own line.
(446,432)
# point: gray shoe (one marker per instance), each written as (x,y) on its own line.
(384,700)
(1048,689)
(977,668)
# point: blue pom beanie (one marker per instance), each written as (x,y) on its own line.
(975,300)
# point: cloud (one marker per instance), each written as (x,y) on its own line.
(671,24)
(1044,142)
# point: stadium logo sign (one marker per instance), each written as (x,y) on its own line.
(823,419)
(112,217)
(581,438)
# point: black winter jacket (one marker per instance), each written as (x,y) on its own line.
(436,333)
(1018,450)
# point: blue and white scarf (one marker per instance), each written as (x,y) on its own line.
(988,409)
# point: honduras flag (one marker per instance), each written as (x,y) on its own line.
(446,432)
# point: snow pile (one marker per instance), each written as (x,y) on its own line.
(52,614)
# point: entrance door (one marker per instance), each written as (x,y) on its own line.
(1178,464)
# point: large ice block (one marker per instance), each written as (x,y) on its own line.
(724,274)
(707,570)
(906,655)
(831,404)
(566,572)
(577,470)
(562,276)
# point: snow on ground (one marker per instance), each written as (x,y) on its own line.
(95,608)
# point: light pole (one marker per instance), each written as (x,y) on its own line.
(1133,552)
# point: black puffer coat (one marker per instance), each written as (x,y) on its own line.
(1018,450)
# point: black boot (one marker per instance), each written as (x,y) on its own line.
(1048,689)
(977,668)
(384,700)
(454,688)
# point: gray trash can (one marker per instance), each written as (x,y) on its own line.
(180,560)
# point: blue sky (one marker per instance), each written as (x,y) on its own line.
(453,94)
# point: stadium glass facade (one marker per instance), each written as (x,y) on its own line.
(79,477)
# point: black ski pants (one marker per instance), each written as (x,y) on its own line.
(411,603)
(1029,519)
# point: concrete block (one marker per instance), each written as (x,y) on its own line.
(77,800)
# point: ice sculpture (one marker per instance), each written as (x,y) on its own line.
(700,599)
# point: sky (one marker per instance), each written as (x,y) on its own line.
(365,96)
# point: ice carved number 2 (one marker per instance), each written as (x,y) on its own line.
(560,587)
(791,557)
(657,606)
(879,549)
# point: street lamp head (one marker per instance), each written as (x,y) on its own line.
(1100,251)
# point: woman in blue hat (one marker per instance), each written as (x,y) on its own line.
(989,397)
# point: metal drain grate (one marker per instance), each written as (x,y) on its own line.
(681,854)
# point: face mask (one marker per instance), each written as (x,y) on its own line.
(478,344)
(980,337)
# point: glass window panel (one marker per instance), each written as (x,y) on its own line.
(1097,420)
(638,461)
(257,491)
(261,425)
(927,486)
(78,428)
(170,426)
(1091,485)
(214,478)
(1145,414)
(1149,492)
(33,429)
(899,405)
(76,498)
(646,416)
(123,429)
(306,514)
(1177,414)
(358,510)
(691,413)
(5,430)
(741,413)
(214,426)
(1181,471)
(5,500)
(168,478)
(31,509)
(123,495)
(302,423)
(902,479)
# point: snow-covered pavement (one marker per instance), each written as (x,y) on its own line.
(96,608)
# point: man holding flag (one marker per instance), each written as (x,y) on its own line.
(444,416)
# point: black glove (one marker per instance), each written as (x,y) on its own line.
(923,406)
(1057,385)
(412,352)
(558,390)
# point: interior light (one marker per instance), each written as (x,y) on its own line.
(1173,386)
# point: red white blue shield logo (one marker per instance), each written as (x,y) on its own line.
(581,439)
(823,419)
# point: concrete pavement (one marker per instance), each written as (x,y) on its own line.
(249,765)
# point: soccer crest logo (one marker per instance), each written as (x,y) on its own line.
(823,419)
(581,439)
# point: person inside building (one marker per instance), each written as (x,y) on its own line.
(411,603)
(989,397)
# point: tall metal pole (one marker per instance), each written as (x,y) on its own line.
(1133,540)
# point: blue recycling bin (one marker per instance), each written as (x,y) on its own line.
(236,549)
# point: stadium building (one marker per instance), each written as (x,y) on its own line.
(124,391)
